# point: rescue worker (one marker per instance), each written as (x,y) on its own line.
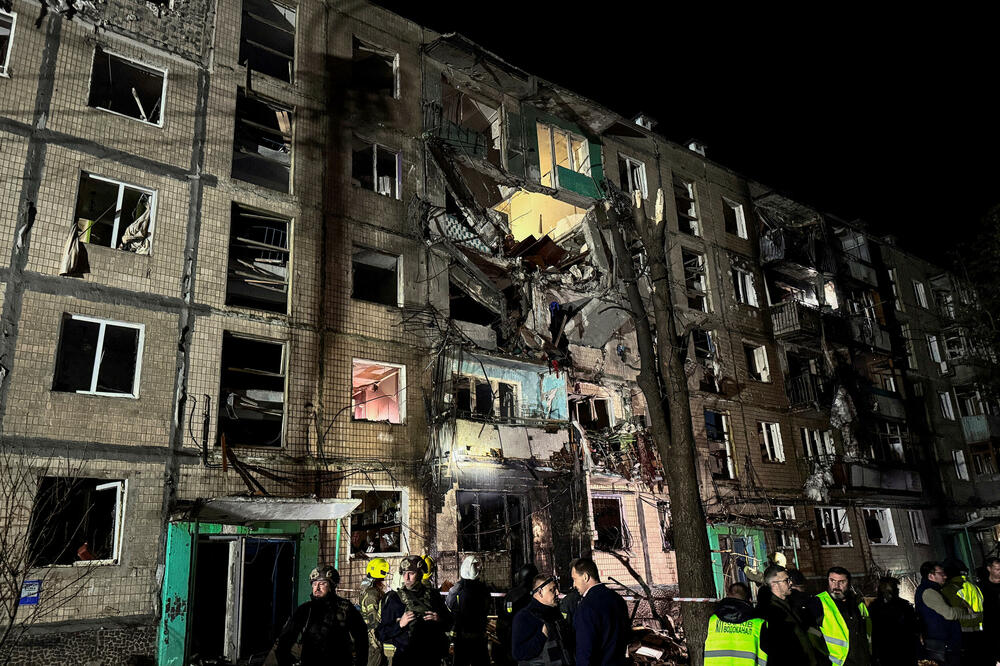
(431,570)
(942,632)
(541,636)
(415,619)
(960,592)
(895,630)
(469,603)
(516,598)
(323,626)
(734,631)
(990,585)
(843,620)
(372,593)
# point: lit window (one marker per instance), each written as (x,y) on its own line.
(98,357)
(7,22)
(771,449)
(609,520)
(719,446)
(786,538)
(376,525)
(917,526)
(378,391)
(375,277)
(252,394)
(834,527)
(262,145)
(376,168)
(559,148)
(632,175)
(113,214)
(696,280)
(961,469)
(258,260)
(267,38)
(735,218)
(743,286)
(687,209)
(878,525)
(127,88)
(76,521)
(374,69)
(757,367)
(947,408)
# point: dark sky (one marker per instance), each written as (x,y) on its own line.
(891,119)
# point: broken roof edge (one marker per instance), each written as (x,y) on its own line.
(240,510)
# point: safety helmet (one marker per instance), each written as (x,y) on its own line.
(377,568)
(325,572)
(429,563)
(413,563)
(526,574)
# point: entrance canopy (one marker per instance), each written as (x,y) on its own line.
(242,510)
(975,525)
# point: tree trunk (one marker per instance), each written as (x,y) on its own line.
(664,386)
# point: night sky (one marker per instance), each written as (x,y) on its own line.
(892,120)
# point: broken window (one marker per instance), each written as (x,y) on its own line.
(7,22)
(376,168)
(252,396)
(961,470)
(834,527)
(609,521)
(591,413)
(954,345)
(465,308)
(743,286)
(258,260)
(666,528)
(471,124)
(878,525)
(891,442)
(490,521)
(632,175)
(375,277)
(477,397)
(98,357)
(378,391)
(947,408)
(695,280)
(920,294)
(917,526)
(375,70)
(911,357)
(855,245)
(735,218)
(262,146)
(894,285)
(757,367)
(561,148)
(76,520)
(934,349)
(113,214)
(786,538)
(376,524)
(267,38)
(687,211)
(704,346)
(127,88)
(771,448)
(970,402)
(982,459)
(817,443)
(719,448)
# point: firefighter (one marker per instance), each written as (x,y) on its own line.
(734,631)
(372,593)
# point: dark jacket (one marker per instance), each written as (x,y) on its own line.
(602,627)
(469,602)
(785,637)
(420,641)
(531,647)
(515,599)
(936,628)
(327,625)
(734,611)
(991,607)
(568,605)
(895,632)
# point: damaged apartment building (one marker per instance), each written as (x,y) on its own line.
(292,282)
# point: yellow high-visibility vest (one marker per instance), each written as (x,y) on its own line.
(973,596)
(834,628)
(731,644)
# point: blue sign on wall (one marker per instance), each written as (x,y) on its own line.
(30,591)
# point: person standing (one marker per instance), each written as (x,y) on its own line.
(415,619)
(323,626)
(991,608)
(372,593)
(734,632)
(469,603)
(895,631)
(942,632)
(540,634)
(785,637)
(960,592)
(516,598)
(843,620)
(601,621)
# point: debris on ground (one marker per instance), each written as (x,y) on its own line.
(651,646)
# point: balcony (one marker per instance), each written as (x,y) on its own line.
(888,404)
(980,428)
(806,390)
(868,332)
(860,271)
(793,319)
(873,477)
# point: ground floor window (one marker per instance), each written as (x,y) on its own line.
(377,523)
(76,520)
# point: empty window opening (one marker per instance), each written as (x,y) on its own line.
(559,148)
(76,520)
(484,399)
(983,459)
(472,124)
(258,260)
(687,210)
(113,214)
(735,218)
(375,70)
(757,366)
(917,526)
(632,175)
(786,538)
(252,397)
(7,22)
(377,523)
(98,357)
(378,391)
(817,443)
(267,39)
(375,277)
(465,308)
(591,413)
(720,453)
(536,214)
(262,146)
(855,246)
(376,168)
(695,280)
(834,527)
(771,448)
(478,398)
(704,346)
(743,287)
(127,88)
(666,526)
(970,402)
(490,521)
(609,521)
(878,525)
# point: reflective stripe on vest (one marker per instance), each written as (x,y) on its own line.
(834,628)
(971,594)
(732,644)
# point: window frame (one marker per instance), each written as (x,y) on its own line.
(771,447)
(761,367)
(99,353)
(508,523)
(894,286)
(744,287)
(630,162)
(665,518)
(238,209)
(727,442)
(138,65)
(244,14)
(5,56)
(257,130)
(947,407)
(698,276)
(398,155)
(739,213)
(812,439)
(118,528)
(400,394)
(786,538)
(284,392)
(684,190)
(625,539)
(360,249)
(384,52)
(888,522)
(961,466)
(915,517)
(404,519)
(569,136)
(843,520)
(122,185)
(920,294)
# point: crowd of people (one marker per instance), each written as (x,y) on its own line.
(954,621)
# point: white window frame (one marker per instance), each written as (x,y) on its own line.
(840,515)
(631,163)
(701,273)
(693,224)
(947,408)
(727,440)
(568,136)
(934,350)
(884,517)
(140,65)
(99,353)
(399,169)
(894,285)
(375,48)
(741,218)
(121,496)
(770,434)
(817,443)
(400,395)
(920,294)
(761,366)
(786,538)
(910,348)
(5,57)
(918,528)
(625,532)
(743,286)
(404,516)
(961,467)
(118,206)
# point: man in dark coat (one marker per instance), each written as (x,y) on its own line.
(469,602)
(895,631)
(940,622)
(990,585)
(601,622)
(541,636)
(415,619)
(785,638)
(324,626)
(516,598)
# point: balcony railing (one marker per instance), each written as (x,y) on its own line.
(792,319)
(980,428)
(807,389)
(867,331)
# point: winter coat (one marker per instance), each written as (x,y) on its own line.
(420,641)
(785,638)
(533,648)
(895,632)
(327,625)
(602,627)
(469,602)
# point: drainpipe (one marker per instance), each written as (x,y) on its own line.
(336,551)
